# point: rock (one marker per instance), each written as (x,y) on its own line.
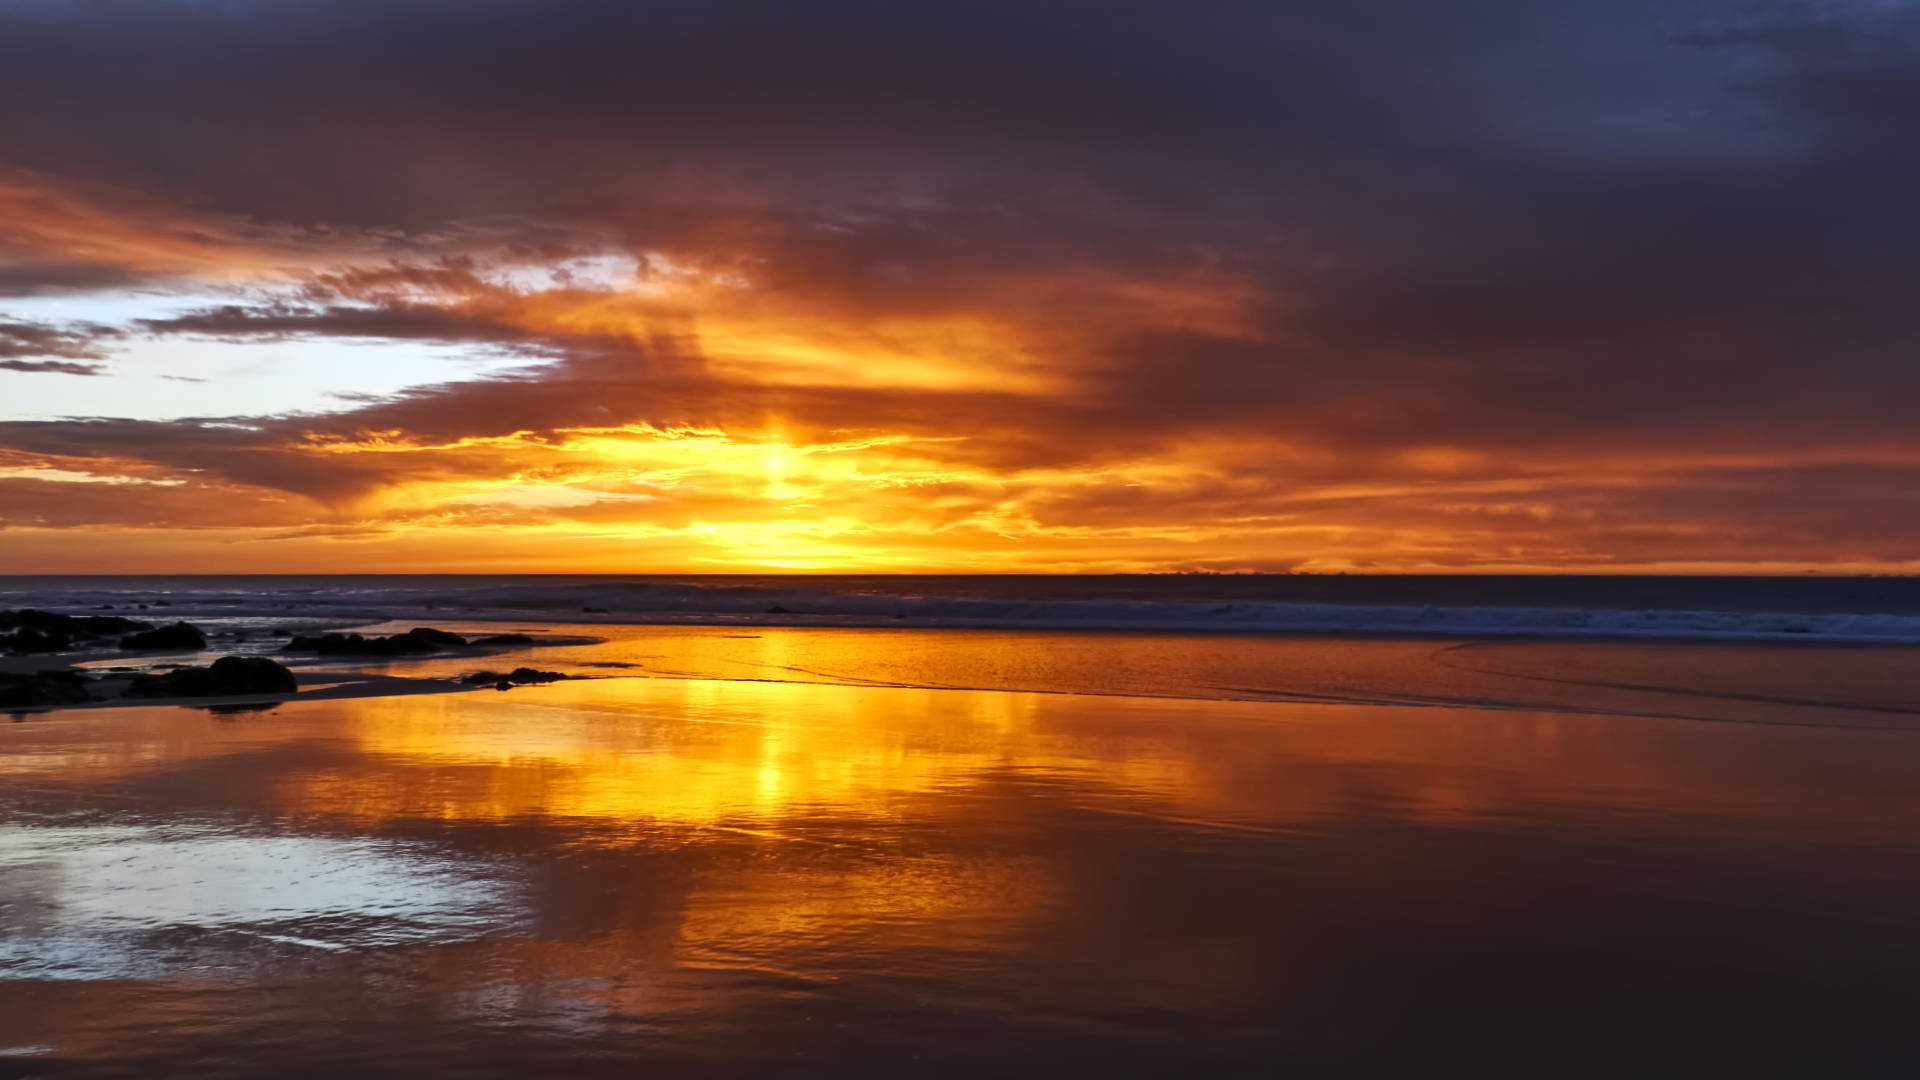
(104,625)
(49,631)
(594,610)
(178,635)
(504,639)
(517,677)
(228,676)
(420,639)
(239,708)
(32,640)
(328,644)
(43,688)
(777,610)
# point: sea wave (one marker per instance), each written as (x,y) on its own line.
(258,601)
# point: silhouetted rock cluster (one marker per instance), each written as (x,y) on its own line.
(229,675)
(178,635)
(44,688)
(504,639)
(32,640)
(517,677)
(30,631)
(420,639)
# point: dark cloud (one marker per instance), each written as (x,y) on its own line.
(55,367)
(21,339)
(404,321)
(21,342)
(54,277)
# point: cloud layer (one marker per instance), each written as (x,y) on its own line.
(1386,285)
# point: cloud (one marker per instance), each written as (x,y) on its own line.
(404,321)
(55,277)
(22,339)
(56,367)
(1388,284)
(20,342)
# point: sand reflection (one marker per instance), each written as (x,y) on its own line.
(652,868)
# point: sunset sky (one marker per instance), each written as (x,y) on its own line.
(1388,285)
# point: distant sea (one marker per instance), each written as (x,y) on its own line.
(1861,609)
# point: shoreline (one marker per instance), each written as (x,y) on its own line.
(335,687)
(316,678)
(961,661)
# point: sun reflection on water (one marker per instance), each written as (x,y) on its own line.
(655,865)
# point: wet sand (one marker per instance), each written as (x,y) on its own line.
(687,876)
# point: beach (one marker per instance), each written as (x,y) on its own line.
(977,540)
(804,850)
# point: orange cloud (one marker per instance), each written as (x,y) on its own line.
(760,404)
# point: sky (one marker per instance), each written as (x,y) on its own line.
(1329,285)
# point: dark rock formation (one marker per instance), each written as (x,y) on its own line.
(75,625)
(420,639)
(520,676)
(239,708)
(31,640)
(178,635)
(229,675)
(504,639)
(43,688)
(777,610)
(48,631)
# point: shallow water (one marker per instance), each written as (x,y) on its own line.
(689,876)
(1751,682)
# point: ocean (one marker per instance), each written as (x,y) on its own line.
(1810,607)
